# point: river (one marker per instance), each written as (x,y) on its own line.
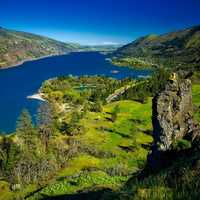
(17,83)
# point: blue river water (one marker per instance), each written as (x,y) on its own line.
(19,82)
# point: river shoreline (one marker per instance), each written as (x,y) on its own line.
(33,59)
(17,84)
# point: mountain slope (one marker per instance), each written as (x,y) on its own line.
(17,47)
(180,48)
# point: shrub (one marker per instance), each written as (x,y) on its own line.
(114,113)
(181,144)
(120,169)
(96,107)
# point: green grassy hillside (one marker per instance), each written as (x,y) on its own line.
(178,181)
(110,151)
(86,148)
(179,49)
(93,144)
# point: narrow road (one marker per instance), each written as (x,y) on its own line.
(121,91)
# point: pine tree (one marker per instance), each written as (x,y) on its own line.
(45,123)
(73,127)
(24,123)
(96,107)
(26,130)
(114,113)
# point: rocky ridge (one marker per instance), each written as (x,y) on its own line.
(172,119)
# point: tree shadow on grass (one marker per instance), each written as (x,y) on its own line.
(110,130)
(90,195)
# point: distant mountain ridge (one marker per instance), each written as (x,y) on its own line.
(102,48)
(17,47)
(180,48)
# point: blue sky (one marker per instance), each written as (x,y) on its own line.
(98,21)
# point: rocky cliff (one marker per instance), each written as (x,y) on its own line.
(172,112)
(172,118)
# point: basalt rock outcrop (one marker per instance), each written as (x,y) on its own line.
(172,113)
(172,118)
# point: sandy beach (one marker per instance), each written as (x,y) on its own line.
(36,96)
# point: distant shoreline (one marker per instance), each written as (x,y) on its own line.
(42,57)
(33,59)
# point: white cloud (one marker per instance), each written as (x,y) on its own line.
(109,43)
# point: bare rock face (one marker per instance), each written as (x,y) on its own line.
(172,119)
(172,113)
